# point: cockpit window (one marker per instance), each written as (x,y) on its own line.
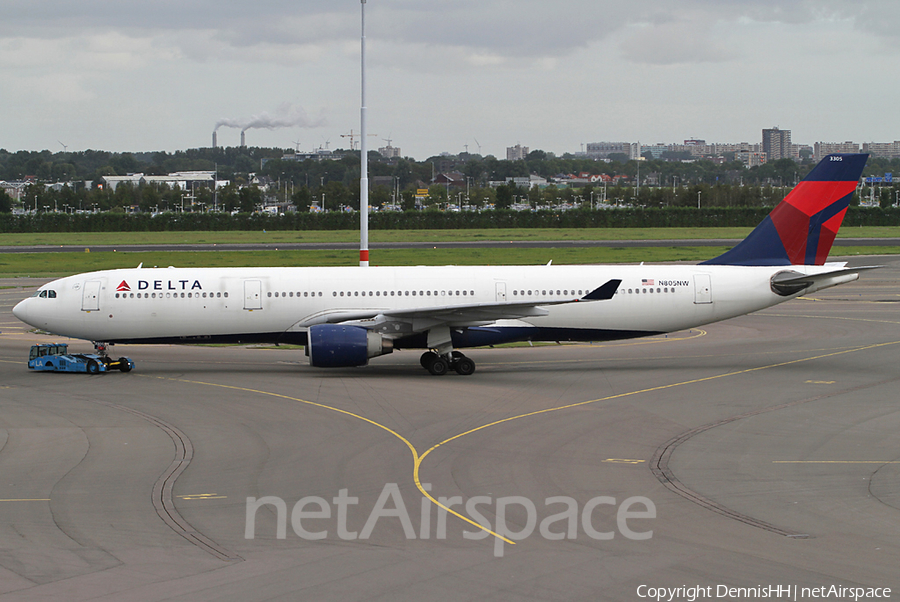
(51,294)
(45,294)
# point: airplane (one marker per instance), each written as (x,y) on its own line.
(345,316)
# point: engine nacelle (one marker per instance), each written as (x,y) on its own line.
(339,346)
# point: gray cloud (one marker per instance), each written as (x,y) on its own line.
(508,28)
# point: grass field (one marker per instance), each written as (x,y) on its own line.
(62,264)
(205,237)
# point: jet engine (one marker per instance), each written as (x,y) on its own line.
(338,346)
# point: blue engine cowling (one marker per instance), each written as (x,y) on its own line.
(338,346)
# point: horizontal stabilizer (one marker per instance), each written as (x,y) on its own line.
(790,283)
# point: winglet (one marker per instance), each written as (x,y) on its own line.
(603,292)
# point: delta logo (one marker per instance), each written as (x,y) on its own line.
(160,285)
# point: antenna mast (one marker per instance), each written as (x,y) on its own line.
(363,153)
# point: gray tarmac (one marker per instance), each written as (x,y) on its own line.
(757,452)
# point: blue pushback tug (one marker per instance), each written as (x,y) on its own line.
(55,357)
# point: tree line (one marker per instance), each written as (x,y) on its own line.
(334,184)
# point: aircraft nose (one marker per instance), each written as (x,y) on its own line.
(20,310)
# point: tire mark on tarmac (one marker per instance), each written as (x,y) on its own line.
(419,458)
(659,464)
(162,489)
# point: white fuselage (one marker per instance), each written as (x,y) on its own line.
(186,304)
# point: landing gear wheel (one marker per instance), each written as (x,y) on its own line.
(93,367)
(427,358)
(464,366)
(438,366)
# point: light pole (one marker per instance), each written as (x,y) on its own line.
(363,147)
(698,199)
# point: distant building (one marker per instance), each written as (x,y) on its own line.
(532,181)
(776,143)
(820,149)
(182,179)
(888,150)
(390,152)
(452,179)
(750,158)
(516,153)
(320,154)
(602,150)
(656,150)
(14,189)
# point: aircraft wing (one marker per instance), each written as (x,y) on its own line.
(471,314)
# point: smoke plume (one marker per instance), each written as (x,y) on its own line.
(286,115)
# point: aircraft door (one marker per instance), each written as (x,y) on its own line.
(90,296)
(252,294)
(501,292)
(702,289)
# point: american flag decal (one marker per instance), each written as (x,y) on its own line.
(647,281)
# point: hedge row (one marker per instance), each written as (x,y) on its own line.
(669,217)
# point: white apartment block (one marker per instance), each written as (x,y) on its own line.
(516,153)
(820,149)
(889,150)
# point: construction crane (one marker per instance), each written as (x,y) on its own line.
(353,138)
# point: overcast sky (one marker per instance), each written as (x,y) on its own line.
(122,75)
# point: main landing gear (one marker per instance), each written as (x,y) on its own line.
(441,364)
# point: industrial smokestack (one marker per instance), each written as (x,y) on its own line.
(243,142)
(215,145)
